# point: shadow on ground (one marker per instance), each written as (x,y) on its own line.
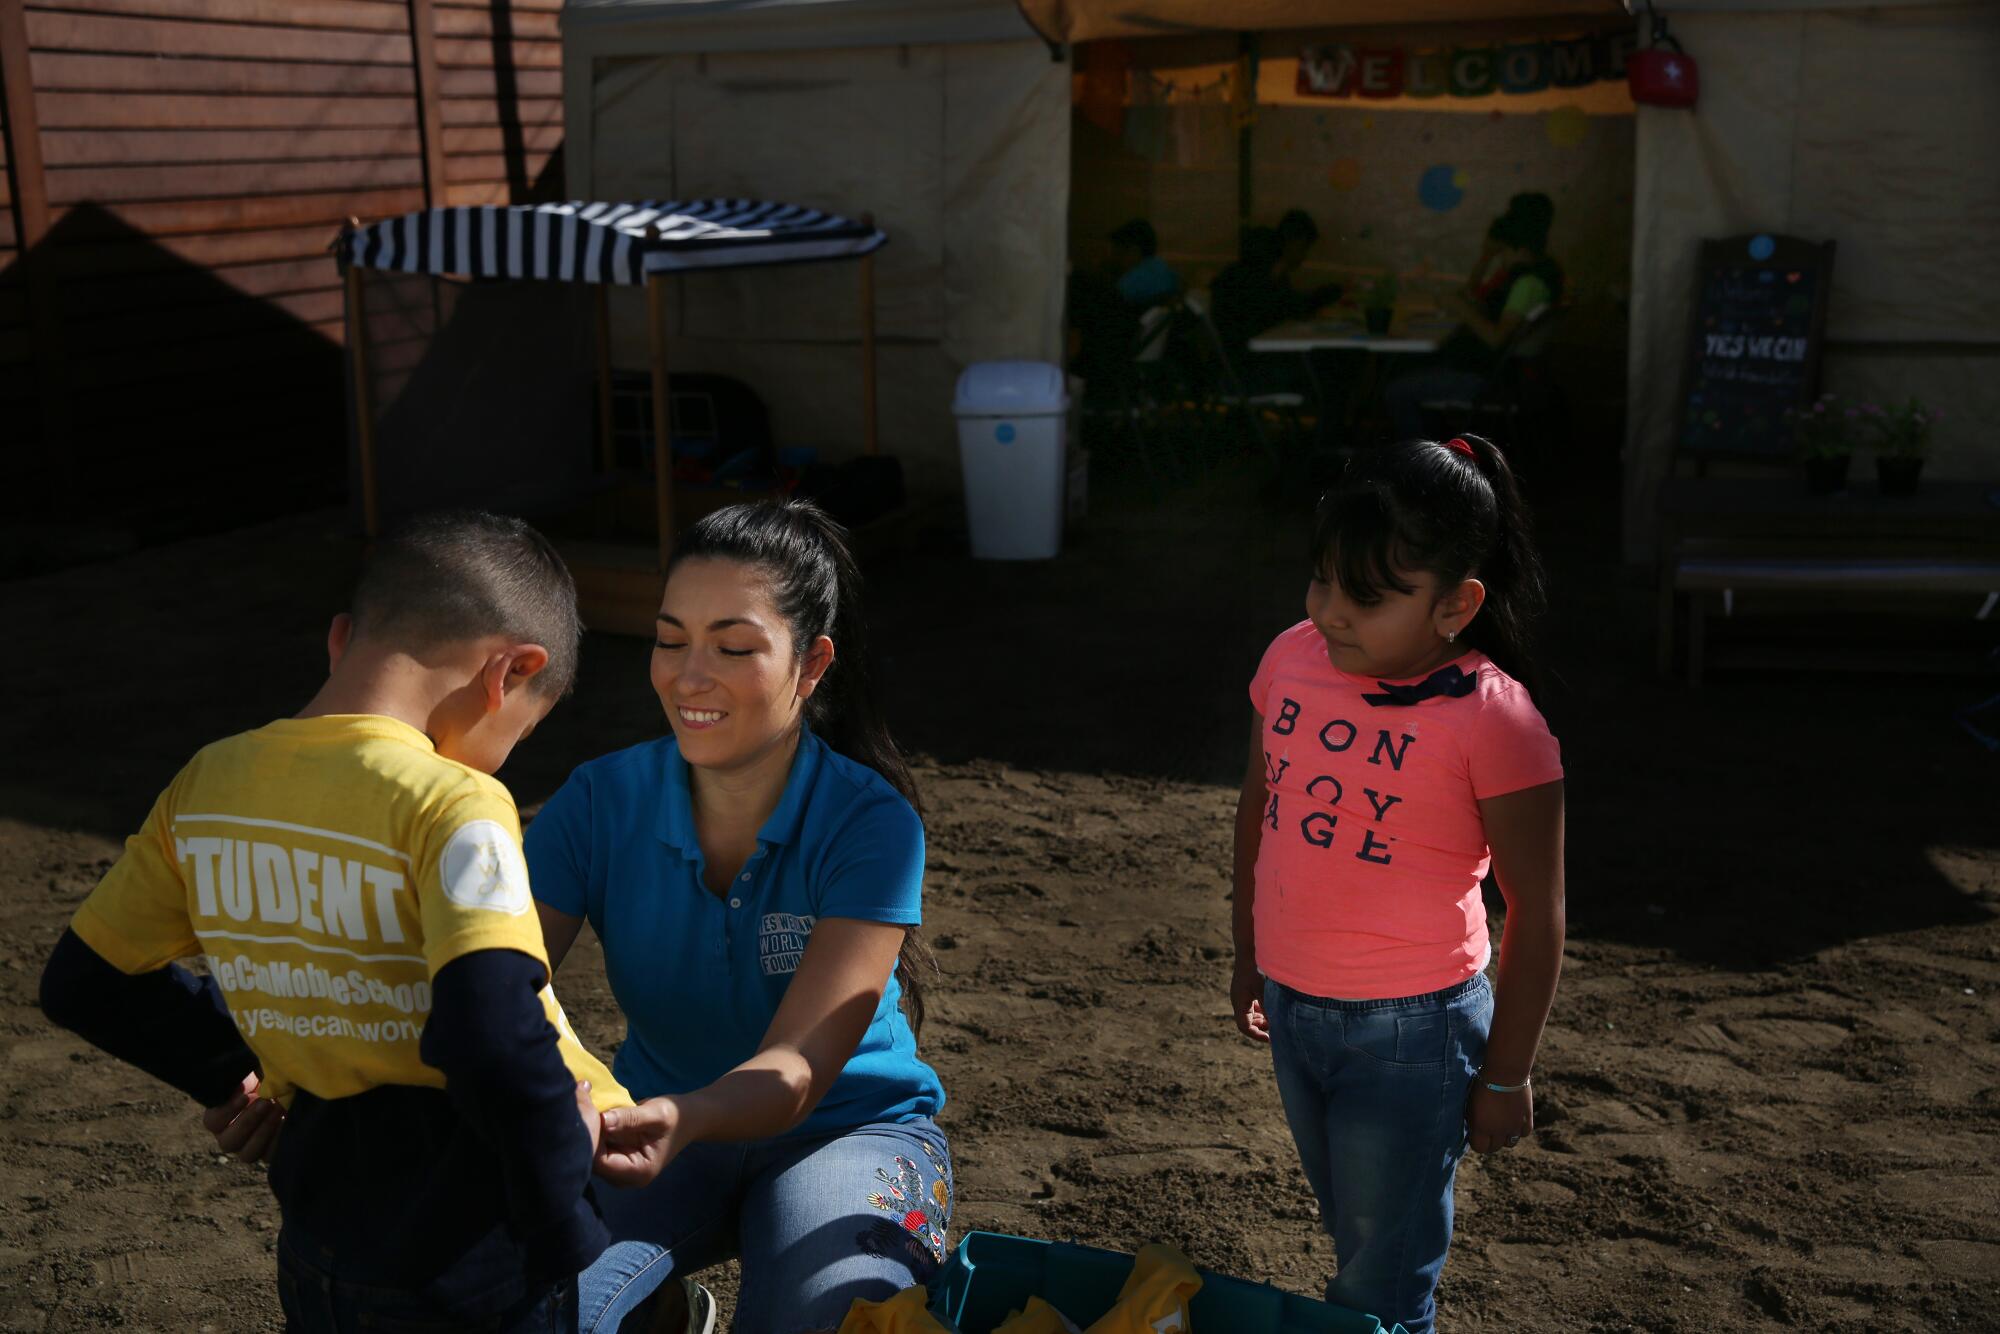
(1760,818)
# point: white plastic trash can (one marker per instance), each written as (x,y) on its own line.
(1012,429)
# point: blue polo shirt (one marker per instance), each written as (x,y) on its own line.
(700,977)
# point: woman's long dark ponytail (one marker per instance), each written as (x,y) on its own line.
(1456,513)
(817,588)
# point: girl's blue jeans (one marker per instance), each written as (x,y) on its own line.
(1374,1091)
(817,1222)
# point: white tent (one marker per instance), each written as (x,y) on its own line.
(945,120)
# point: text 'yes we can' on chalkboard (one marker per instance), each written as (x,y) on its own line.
(1759,327)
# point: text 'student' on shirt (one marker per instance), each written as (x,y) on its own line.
(327,868)
(1372,847)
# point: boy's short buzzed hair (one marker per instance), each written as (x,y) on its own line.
(466,574)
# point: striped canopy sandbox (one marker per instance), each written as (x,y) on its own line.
(600,242)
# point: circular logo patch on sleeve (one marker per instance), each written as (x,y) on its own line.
(482,867)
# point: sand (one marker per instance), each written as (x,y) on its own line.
(1769,1096)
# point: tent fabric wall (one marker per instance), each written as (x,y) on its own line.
(1087,20)
(958,149)
(1877,129)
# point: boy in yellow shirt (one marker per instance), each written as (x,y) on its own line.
(354,877)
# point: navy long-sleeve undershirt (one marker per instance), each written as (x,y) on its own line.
(388,1180)
(169,1023)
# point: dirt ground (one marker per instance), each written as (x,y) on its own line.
(1770,1094)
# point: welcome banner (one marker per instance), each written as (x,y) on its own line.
(1340,70)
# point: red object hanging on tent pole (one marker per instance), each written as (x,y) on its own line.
(1663,75)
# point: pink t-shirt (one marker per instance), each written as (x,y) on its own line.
(1372,852)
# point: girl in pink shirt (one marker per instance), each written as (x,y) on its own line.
(1396,756)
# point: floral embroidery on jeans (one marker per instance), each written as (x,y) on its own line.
(912,1228)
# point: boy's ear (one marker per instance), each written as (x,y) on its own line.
(508,669)
(338,636)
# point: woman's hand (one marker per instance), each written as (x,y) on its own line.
(638,1142)
(1246,1002)
(1498,1120)
(246,1126)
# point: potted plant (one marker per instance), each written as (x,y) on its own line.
(1378,307)
(1902,438)
(1824,434)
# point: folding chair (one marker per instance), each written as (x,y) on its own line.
(1502,404)
(1137,407)
(1234,393)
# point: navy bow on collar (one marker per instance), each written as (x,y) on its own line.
(1447,681)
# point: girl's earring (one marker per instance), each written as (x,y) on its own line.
(1450,636)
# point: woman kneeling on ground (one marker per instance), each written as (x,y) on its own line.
(756,879)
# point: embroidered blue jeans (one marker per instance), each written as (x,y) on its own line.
(1374,1092)
(816,1222)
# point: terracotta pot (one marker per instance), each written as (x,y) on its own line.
(1898,476)
(1827,474)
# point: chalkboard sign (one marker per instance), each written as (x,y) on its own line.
(1759,326)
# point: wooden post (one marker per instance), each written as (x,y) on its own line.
(31,215)
(869,441)
(364,412)
(1247,53)
(607,437)
(430,109)
(24,131)
(663,450)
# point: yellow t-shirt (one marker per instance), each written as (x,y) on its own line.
(328,867)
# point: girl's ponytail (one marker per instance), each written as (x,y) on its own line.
(1511,570)
(816,586)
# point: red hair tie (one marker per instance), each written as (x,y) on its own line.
(1457,445)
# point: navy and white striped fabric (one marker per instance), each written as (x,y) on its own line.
(605,243)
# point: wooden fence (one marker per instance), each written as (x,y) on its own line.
(170,319)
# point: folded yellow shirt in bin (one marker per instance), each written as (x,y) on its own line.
(1037,1318)
(904,1313)
(1153,1301)
(1155,1296)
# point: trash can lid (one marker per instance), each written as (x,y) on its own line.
(1010,389)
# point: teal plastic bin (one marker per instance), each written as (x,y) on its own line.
(992,1274)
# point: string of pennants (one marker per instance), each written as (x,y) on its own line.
(1341,70)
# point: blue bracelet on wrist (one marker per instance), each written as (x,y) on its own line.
(1509,1088)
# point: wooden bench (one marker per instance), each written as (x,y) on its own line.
(1714,581)
(1765,540)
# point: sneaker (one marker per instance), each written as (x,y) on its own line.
(701,1308)
(699,1303)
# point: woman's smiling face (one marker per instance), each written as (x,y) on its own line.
(724,665)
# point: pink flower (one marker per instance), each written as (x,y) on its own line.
(1852,413)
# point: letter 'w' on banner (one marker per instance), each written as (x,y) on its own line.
(1327,71)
